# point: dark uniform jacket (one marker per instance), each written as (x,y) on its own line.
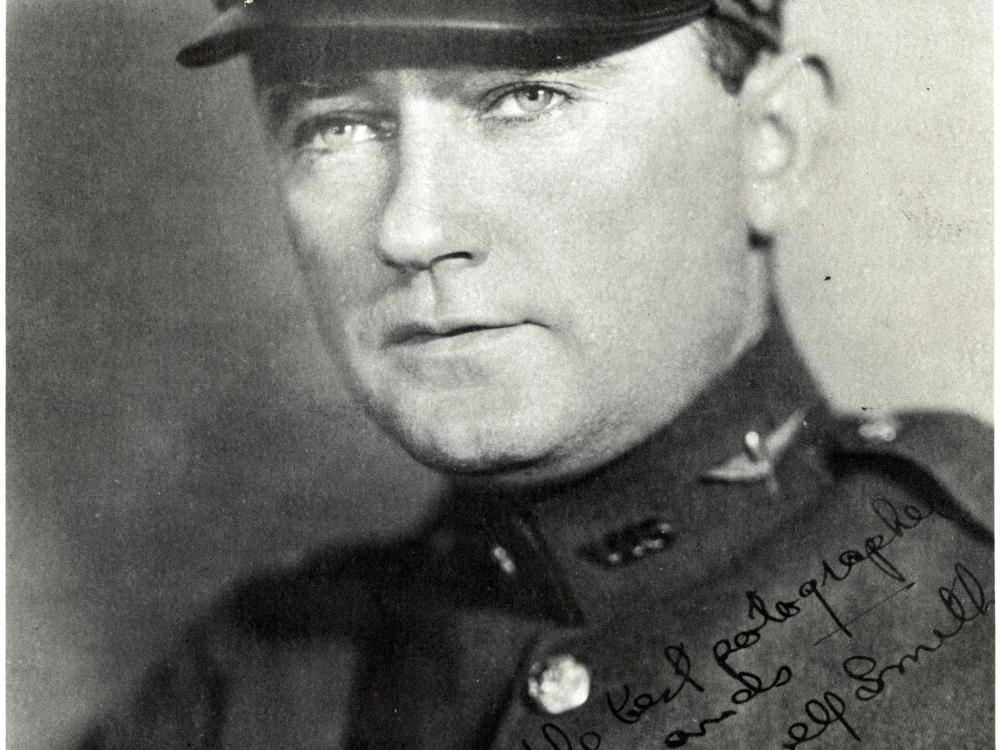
(760,574)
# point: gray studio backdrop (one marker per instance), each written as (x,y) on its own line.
(171,419)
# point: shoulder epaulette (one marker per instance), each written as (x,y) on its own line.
(952,451)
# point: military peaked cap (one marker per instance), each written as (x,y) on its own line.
(243,24)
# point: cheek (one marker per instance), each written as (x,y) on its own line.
(329,216)
(663,178)
(654,219)
(641,255)
(332,225)
(332,202)
(675,186)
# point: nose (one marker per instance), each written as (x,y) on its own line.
(428,221)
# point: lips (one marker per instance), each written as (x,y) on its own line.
(413,334)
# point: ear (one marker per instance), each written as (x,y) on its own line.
(787,99)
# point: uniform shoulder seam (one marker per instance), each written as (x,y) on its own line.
(951,450)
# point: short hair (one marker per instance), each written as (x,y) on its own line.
(733,48)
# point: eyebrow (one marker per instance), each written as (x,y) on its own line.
(273,94)
(336,83)
(279,97)
(598,64)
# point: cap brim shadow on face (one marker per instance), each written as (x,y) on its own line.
(497,33)
(299,56)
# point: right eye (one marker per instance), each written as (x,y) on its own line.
(331,133)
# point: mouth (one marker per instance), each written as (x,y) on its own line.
(415,334)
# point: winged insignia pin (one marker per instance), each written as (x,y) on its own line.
(759,457)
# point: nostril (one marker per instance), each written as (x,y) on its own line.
(459,255)
(447,262)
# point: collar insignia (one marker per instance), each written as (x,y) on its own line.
(759,457)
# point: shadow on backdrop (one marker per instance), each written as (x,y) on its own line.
(172,422)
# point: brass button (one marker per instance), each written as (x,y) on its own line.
(559,684)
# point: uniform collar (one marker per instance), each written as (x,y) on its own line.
(551,543)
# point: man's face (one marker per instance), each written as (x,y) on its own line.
(521,273)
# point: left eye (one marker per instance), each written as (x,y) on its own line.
(525,102)
(333,133)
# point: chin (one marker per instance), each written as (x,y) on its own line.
(479,449)
(493,464)
(475,441)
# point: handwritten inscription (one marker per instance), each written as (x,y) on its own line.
(555,738)
(963,600)
(629,710)
(822,713)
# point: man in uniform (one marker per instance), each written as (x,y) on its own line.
(524,228)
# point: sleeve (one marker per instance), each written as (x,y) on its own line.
(271,666)
(180,703)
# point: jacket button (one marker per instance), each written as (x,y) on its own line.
(503,560)
(559,684)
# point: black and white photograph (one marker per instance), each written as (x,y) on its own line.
(500,374)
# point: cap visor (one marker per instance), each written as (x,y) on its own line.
(242,27)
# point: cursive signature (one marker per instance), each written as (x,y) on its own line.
(964,600)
